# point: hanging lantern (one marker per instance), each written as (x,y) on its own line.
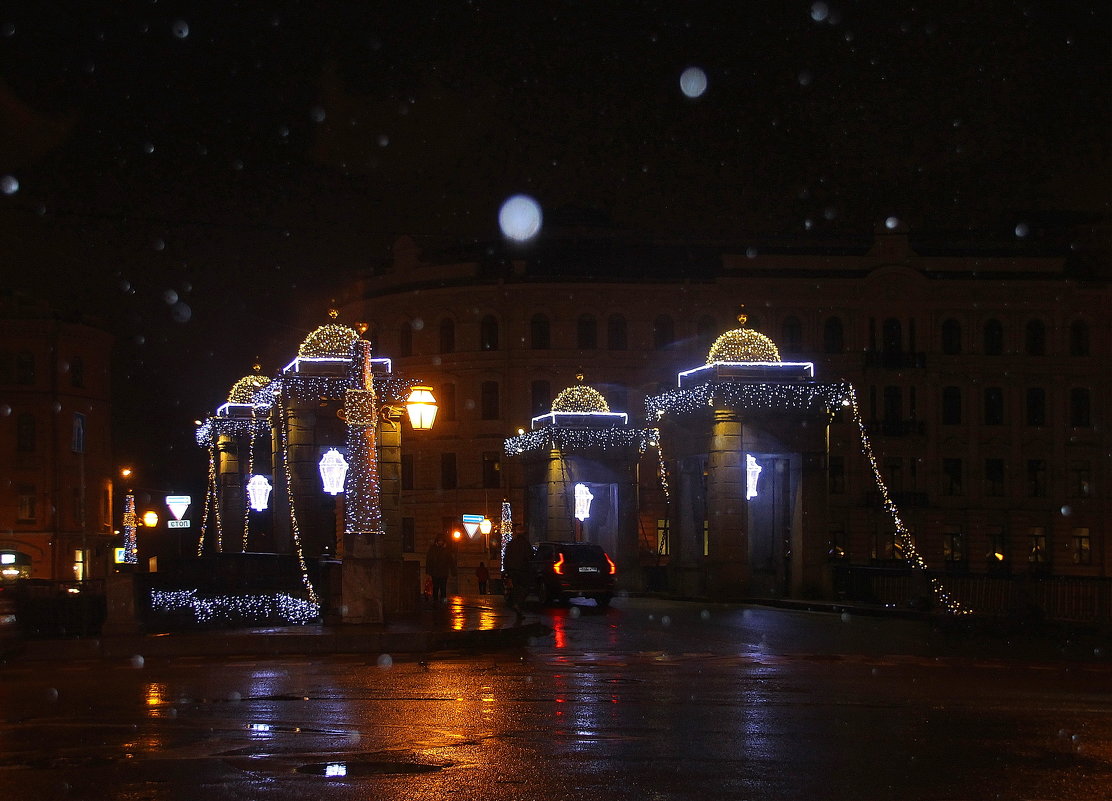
(484,526)
(333,468)
(752,473)
(258,491)
(421,407)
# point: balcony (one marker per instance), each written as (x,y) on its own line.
(894,360)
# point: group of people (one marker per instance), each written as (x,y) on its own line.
(440,565)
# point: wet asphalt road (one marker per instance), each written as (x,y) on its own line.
(647,700)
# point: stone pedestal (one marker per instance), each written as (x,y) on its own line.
(119,592)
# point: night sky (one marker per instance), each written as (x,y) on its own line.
(197,174)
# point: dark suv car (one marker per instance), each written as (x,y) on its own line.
(564,570)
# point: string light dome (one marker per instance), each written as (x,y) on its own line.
(580,399)
(329,341)
(743,345)
(243,391)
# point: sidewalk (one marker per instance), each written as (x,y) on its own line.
(474,621)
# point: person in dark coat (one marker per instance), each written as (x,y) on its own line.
(482,575)
(438,564)
(516,566)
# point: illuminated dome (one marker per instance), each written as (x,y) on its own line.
(743,345)
(580,399)
(243,391)
(331,341)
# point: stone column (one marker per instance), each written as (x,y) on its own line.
(727,510)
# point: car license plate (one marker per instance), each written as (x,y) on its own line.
(588,570)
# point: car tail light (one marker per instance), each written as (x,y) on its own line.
(613,567)
(558,566)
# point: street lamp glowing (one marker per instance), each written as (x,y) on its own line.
(484,526)
(150,519)
(421,407)
(333,468)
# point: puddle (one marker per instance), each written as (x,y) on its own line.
(354,768)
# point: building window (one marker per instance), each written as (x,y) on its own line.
(446,402)
(540,392)
(836,542)
(994,477)
(663,537)
(77,372)
(405,339)
(893,404)
(999,549)
(994,338)
(25,440)
(886,547)
(837,472)
(540,333)
(891,333)
(664,332)
(1036,478)
(1079,338)
(407,471)
(1082,547)
(791,332)
(586,332)
(833,336)
(1080,478)
(448,477)
(951,477)
(616,333)
(447,336)
(1079,408)
(994,406)
(706,331)
(951,406)
(27,504)
(1034,338)
(953,545)
(1037,552)
(488,333)
(488,400)
(77,434)
(951,337)
(25,367)
(1036,406)
(492,470)
(409,535)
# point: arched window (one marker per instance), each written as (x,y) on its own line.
(25,433)
(951,337)
(446,402)
(540,333)
(891,336)
(616,338)
(77,372)
(25,367)
(405,339)
(951,406)
(586,332)
(447,336)
(1034,338)
(664,332)
(706,331)
(994,406)
(791,333)
(1080,408)
(1079,338)
(488,400)
(833,336)
(1036,406)
(488,333)
(541,396)
(994,338)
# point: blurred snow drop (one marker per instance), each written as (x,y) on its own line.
(137,661)
(180,28)
(892,223)
(574,612)
(180,312)
(705,614)
(385,661)
(5,410)
(1067,511)
(9,185)
(1022,230)
(819,11)
(693,82)
(170,297)
(520,218)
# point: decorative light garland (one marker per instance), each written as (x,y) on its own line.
(130,527)
(506,527)
(212,504)
(245,390)
(329,341)
(580,398)
(237,609)
(295,532)
(562,437)
(796,397)
(362,506)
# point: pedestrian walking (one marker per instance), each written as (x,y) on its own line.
(438,564)
(482,575)
(517,566)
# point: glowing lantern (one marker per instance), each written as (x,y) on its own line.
(485,526)
(150,519)
(258,491)
(333,468)
(421,407)
(752,473)
(583,498)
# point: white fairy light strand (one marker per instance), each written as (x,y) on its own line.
(283,436)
